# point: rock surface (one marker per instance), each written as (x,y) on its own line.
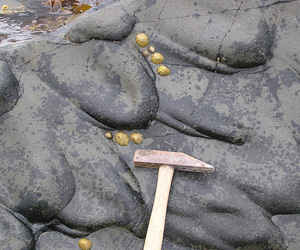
(14,234)
(8,88)
(231,100)
(100,23)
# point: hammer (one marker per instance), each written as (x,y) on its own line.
(166,162)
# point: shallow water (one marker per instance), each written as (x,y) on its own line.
(28,19)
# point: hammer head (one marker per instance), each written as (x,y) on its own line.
(180,161)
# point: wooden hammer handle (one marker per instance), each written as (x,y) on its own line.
(156,226)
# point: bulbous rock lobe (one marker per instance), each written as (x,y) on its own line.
(111,23)
(117,90)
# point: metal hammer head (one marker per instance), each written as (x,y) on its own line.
(180,161)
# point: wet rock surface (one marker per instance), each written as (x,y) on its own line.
(102,24)
(8,88)
(14,234)
(231,100)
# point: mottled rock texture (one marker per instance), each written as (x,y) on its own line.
(231,100)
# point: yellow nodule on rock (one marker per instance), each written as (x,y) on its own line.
(157,58)
(5,7)
(151,49)
(136,138)
(163,70)
(108,135)
(146,53)
(122,138)
(85,244)
(141,40)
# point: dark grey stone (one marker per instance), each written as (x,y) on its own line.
(13,233)
(231,100)
(107,238)
(110,23)
(8,88)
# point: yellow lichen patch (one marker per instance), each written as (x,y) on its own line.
(141,40)
(151,49)
(162,70)
(157,58)
(81,7)
(108,135)
(146,53)
(85,244)
(136,138)
(33,28)
(122,138)
(5,7)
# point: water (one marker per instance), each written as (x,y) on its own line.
(28,19)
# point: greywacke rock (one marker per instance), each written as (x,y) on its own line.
(231,100)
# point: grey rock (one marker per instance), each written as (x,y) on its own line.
(8,88)
(289,225)
(108,238)
(14,234)
(109,23)
(231,100)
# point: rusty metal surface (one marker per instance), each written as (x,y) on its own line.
(180,161)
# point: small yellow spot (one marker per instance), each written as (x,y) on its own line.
(151,49)
(108,135)
(136,138)
(157,58)
(85,244)
(5,7)
(141,39)
(33,27)
(162,70)
(146,53)
(122,138)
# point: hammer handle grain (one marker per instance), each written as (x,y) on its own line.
(156,226)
